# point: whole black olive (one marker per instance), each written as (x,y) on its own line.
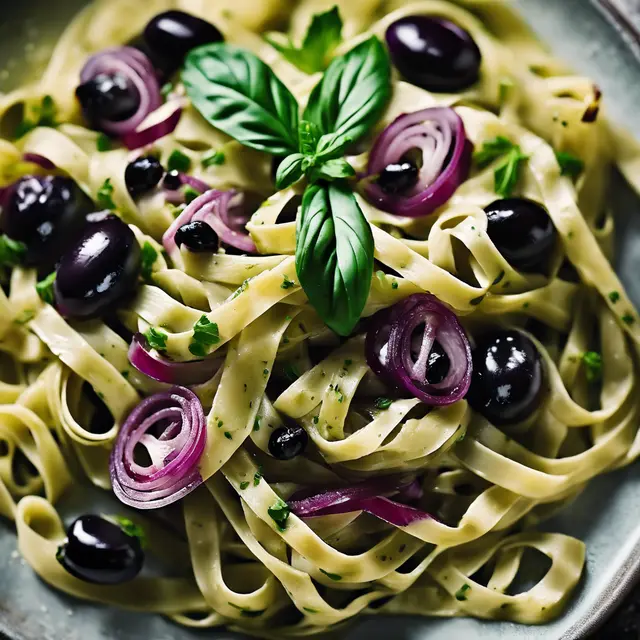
(438,364)
(398,177)
(171,35)
(197,236)
(46,213)
(100,551)
(99,270)
(142,175)
(172,180)
(434,53)
(507,377)
(108,96)
(522,231)
(288,442)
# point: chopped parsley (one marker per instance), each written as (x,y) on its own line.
(570,165)
(166,89)
(215,158)
(394,285)
(593,365)
(103,143)
(25,316)
(205,335)
(44,115)
(256,423)
(156,338)
(279,513)
(507,172)
(383,403)
(332,576)
(190,194)
(628,319)
(45,288)
(287,284)
(148,257)
(291,372)
(228,436)
(178,161)
(220,423)
(614,296)
(244,485)
(257,476)
(309,610)
(461,593)
(241,289)
(12,252)
(105,195)
(131,529)
(248,613)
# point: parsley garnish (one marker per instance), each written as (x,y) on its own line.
(105,195)
(614,296)
(593,364)
(570,165)
(12,252)
(287,284)
(243,485)
(148,257)
(333,576)
(156,338)
(241,289)
(248,613)
(507,172)
(291,372)
(103,143)
(131,529)
(462,591)
(44,116)
(383,403)
(309,610)
(25,316)
(45,288)
(228,435)
(190,194)
(256,423)
(205,334)
(323,36)
(215,158)
(257,476)
(628,319)
(279,513)
(178,161)
(166,89)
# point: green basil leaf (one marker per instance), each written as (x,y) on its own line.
(331,146)
(507,173)
(332,170)
(289,171)
(239,95)
(353,92)
(492,150)
(334,254)
(322,38)
(309,135)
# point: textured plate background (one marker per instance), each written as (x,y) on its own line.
(605,516)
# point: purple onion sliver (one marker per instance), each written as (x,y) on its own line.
(41,161)
(143,137)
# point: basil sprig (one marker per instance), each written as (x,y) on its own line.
(239,95)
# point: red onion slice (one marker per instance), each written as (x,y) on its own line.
(41,161)
(155,366)
(390,342)
(439,134)
(222,211)
(137,68)
(141,137)
(173,473)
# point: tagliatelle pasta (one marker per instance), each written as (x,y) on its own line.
(458,494)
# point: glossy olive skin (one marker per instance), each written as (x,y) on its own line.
(46,213)
(142,175)
(172,180)
(439,364)
(169,36)
(508,377)
(522,231)
(197,236)
(288,442)
(99,270)
(399,177)
(433,53)
(100,552)
(108,96)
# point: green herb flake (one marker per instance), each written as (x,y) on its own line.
(156,338)
(265,372)
(148,257)
(383,403)
(125,374)
(244,485)
(12,252)
(45,288)
(507,172)
(332,576)
(44,115)
(205,335)
(220,423)
(279,513)
(248,613)
(190,194)
(24,317)
(228,435)
(614,296)
(316,419)
(291,372)
(241,289)
(492,150)
(178,161)
(214,159)
(570,165)
(309,610)
(461,593)
(593,365)
(166,89)
(287,284)
(628,319)
(256,423)
(103,143)
(131,529)
(394,285)
(257,476)
(104,197)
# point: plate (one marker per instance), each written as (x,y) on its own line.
(597,39)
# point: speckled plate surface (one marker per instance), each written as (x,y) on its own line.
(596,38)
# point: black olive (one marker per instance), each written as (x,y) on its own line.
(522,231)
(288,442)
(99,270)
(108,96)
(171,35)
(172,180)
(507,377)
(434,53)
(398,177)
(46,213)
(100,551)
(142,175)
(197,236)
(438,364)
